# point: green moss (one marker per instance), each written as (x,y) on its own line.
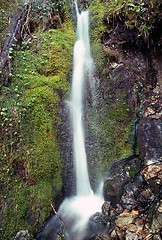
(132,172)
(113,132)
(34,179)
(97,26)
(109,189)
(98,56)
(128,11)
(113,141)
(119,111)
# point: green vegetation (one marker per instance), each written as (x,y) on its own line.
(113,132)
(139,14)
(30,162)
(6,13)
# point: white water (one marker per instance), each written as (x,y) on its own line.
(78,209)
(82,63)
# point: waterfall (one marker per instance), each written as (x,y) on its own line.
(82,66)
(76,211)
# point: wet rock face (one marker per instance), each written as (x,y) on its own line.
(65,135)
(132,67)
(149,138)
(120,174)
(96,225)
(131,191)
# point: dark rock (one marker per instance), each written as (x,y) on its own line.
(51,230)
(149,138)
(96,225)
(131,190)
(120,174)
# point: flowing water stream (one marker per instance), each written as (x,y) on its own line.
(82,206)
(82,67)
(76,211)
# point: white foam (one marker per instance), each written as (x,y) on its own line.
(79,209)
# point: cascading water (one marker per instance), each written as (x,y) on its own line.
(81,207)
(82,63)
(76,211)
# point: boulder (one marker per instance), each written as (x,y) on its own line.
(120,174)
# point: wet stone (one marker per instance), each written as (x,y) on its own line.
(106,208)
(131,236)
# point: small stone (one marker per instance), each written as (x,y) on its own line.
(139,222)
(146,114)
(124,221)
(126,218)
(150,110)
(135,228)
(160,207)
(134,213)
(151,171)
(153,98)
(113,234)
(131,236)
(22,235)
(126,213)
(106,208)
(132,228)
(115,65)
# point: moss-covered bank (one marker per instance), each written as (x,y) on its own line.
(30,161)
